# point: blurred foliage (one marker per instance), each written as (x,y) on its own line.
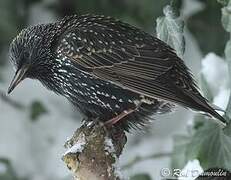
(179,159)
(226,22)
(36,110)
(226,18)
(140,177)
(13,17)
(205,141)
(6,171)
(198,122)
(206,27)
(228,57)
(139,159)
(223,2)
(208,142)
(211,145)
(140,13)
(170,29)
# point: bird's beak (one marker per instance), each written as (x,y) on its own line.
(18,77)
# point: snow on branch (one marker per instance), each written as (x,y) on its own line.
(93,152)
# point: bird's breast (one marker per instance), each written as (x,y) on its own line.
(92,95)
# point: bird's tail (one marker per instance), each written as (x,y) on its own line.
(199,103)
(210,110)
(216,115)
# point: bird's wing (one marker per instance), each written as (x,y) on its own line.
(128,57)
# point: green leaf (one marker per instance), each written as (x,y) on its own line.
(178,158)
(170,30)
(223,2)
(206,27)
(226,17)
(211,145)
(226,22)
(141,177)
(228,58)
(228,52)
(176,5)
(36,110)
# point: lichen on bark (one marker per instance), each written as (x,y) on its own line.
(93,152)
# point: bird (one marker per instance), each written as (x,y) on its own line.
(109,70)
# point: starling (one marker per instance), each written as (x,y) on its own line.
(109,70)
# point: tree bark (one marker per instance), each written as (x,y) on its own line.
(93,152)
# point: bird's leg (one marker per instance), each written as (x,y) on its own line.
(119,117)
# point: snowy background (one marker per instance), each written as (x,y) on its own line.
(35,123)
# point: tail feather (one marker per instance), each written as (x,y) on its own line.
(216,115)
(198,102)
(201,104)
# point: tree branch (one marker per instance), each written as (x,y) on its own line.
(93,152)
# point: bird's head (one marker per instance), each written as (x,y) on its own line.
(30,53)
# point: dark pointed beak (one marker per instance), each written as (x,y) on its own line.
(18,77)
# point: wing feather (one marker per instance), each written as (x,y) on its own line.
(130,58)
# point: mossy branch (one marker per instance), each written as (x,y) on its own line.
(93,151)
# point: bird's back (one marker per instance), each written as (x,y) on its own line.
(130,59)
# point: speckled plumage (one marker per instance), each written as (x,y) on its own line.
(105,67)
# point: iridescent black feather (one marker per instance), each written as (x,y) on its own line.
(104,67)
